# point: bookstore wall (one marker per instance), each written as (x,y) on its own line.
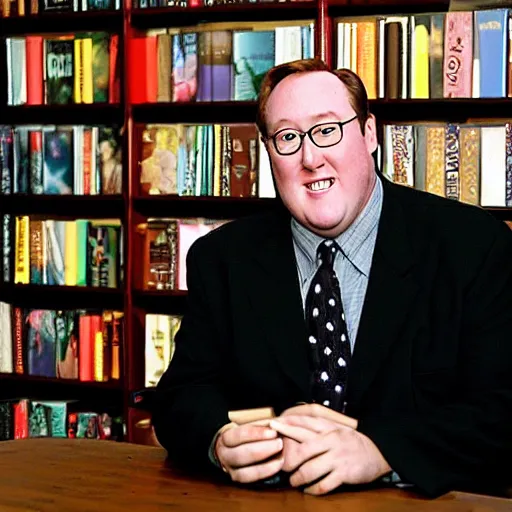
(127,132)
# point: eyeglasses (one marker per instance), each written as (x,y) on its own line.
(288,141)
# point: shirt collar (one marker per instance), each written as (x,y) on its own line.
(356,241)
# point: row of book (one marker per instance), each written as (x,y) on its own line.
(148,4)
(160,331)
(164,244)
(204,160)
(212,62)
(470,163)
(72,344)
(62,253)
(70,68)
(80,160)
(26,418)
(17,8)
(461,54)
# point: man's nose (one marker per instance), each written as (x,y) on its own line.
(312,156)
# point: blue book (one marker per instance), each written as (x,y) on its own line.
(492,34)
(41,342)
(58,172)
(253,56)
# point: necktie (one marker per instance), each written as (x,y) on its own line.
(329,346)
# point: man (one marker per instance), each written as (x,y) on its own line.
(374,318)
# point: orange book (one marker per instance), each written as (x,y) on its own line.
(367,55)
(85,349)
(34,66)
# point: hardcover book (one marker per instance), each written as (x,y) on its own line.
(59,71)
(253,56)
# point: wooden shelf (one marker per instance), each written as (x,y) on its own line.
(210,207)
(62,297)
(372,7)
(65,206)
(457,110)
(454,110)
(94,114)
(44,388)
(182,16)
(163,302)
(196,112)
(62,22)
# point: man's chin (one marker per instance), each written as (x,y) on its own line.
(326,227)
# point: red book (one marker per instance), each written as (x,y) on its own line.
(85,349)
(19,367)
(143,69)
(34,64)
(114,85)
(21,419)
(152,69)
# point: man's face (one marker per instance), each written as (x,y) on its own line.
(342,176)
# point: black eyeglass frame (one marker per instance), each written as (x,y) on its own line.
(309,133)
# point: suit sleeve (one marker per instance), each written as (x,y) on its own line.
(468,443)
(190,403)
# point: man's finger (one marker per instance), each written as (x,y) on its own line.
(257,472)
(312,469)
(246,434)
(298,433)
(249,453)
(327,484)
(319,411)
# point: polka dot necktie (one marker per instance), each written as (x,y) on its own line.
(329,346)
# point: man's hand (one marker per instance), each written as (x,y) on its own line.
(244,452)
(322,454)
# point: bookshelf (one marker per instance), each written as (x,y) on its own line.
(131,206)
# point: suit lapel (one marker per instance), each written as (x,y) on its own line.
(391,291)
(273,286)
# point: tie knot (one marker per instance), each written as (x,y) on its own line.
(327,252)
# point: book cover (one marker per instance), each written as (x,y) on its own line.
(253,56)
(100,66)
(55,252)
(41,342)
(222,67)
(66,333)
(59,71)
(110,150)
(492,27)
(58,166)
(160,159)
(458,55)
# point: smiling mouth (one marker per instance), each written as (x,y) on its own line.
(320,185)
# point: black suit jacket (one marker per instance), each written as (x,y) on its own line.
(430,377)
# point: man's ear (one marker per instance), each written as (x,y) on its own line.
(370,134)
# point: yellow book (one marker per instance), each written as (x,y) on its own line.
(217,157)
(98,356)
(70,254)
(78,70)
(87,89)
(22,255)
(366,51)
(420,63)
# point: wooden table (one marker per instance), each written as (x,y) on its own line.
(74,475)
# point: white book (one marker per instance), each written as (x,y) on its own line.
(492,165)
(6,338)
(265,181)
(340,44)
